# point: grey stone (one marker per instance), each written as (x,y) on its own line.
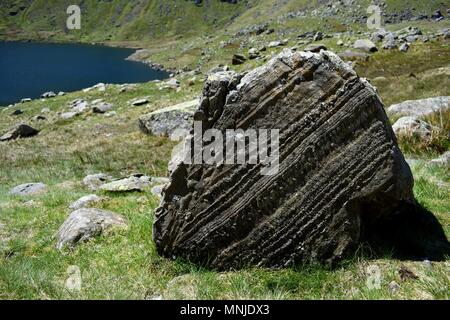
(157,190)
(99,87)
(127,184)
(238,59)
(79,106)
(365,45)
(315,48)
(139,102)
(49,94)
(94,181)
(29,189)
(170,84)
(102,107)
(84,224)
(85,202)
(253,53)
(419,108)
(17,112)
(404,47)
(442,161)
(275,44)
(412,126)
(19,131)
(170,121)
(68,115)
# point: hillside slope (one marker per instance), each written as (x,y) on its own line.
(116,19)
(122,20)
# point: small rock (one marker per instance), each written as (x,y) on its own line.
(170,120)
(110,114)
(45,110)
(275,44)
(404,47)
(39,118)
(412,126)
(25,100)
(85,202)
(427,264)
(19,131)
(49,94)
(127,184)
(365,45)
(139,102)
(127,87)
(442,161)
(79,106)
(390,44)
(102,107)
(315,48)
(17,112)
(238,59)
(29,189)
(422,107)
(437,15)
(84,224)
(318,36)
(253,53)
(68,115)
(99,86)
(94,181)
(157,190)
(393,287)
(170,84)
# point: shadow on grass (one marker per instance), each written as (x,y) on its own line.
(413,234)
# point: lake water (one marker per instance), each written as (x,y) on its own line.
(29,69)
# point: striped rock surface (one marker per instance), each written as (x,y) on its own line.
(340,169)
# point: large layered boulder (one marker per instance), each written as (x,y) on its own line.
(340,169)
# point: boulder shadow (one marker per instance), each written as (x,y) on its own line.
(412,234)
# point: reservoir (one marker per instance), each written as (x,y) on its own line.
(28,69)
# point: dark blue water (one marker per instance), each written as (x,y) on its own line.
(29,69)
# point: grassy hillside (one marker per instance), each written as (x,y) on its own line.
(117,19)
(123,20)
